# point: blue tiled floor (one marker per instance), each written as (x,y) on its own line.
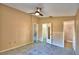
(40,49)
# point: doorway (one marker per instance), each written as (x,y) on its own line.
(46,33)
(69,34)
(35,33)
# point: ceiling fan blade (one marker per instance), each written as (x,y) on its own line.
(31,13)
(41,14)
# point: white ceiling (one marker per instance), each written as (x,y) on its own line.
(48,9)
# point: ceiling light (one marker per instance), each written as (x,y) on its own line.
(37,13)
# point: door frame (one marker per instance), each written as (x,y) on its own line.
(42,32)
(50,34)
(47,32)
(73,40)
(33,30)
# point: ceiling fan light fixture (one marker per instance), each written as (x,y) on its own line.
(37,13)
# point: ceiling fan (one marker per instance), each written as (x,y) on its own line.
(37,12)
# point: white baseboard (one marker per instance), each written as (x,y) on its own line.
(14,47)
(57,45)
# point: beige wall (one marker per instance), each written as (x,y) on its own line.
(15,27)
(35,19)
(77,32)
(0,28)
(68,30)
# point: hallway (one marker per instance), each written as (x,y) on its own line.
(39,49)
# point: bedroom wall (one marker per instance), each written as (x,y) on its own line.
(0,26)
(15,28)
(77,32)
(68,30)
(56,27)
(35,20)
